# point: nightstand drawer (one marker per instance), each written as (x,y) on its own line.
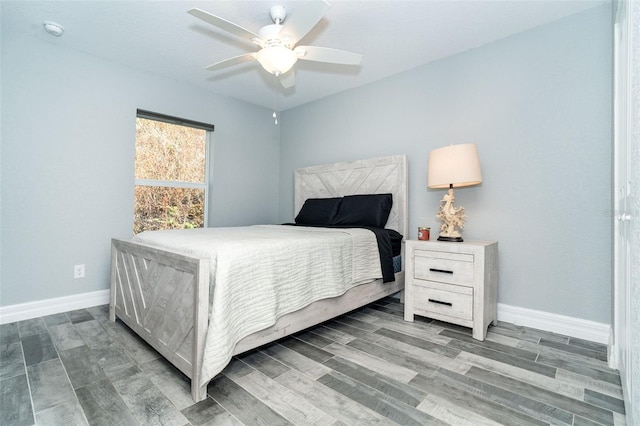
(453,268)
(436,299)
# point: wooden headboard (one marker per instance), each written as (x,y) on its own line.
(373,176)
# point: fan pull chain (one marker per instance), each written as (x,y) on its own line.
(275,105)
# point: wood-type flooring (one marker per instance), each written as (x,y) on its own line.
(369,367)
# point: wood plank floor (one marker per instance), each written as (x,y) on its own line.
(368,367)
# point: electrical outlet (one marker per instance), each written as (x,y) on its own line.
(78,271)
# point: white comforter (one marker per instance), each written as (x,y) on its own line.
(259,273)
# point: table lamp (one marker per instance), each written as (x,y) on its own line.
(451,167)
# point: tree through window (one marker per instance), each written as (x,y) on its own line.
(170,173)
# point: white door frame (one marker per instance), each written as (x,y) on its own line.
(626,67)
(620,190)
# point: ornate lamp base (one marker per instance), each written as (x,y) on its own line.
(452,219)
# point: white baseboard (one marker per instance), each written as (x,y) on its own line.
(613,351)
(561,324)
(569,326)
(40,308)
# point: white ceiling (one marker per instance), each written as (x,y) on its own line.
(393,36)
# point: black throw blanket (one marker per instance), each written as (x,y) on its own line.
(384,247)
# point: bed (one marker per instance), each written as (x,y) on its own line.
(169,296)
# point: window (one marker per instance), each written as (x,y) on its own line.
(171,170)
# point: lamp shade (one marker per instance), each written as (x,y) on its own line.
(454,165)
(276,59)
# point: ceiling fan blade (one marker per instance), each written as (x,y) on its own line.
(232,61)
(288,79)
(303,19)
(327,54)
(223,24)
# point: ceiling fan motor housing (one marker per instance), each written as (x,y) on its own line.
(270,32)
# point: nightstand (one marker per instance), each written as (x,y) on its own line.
(453,282)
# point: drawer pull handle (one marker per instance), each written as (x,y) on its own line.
(444,271)
(439,302)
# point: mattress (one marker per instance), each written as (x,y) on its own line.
(397,264)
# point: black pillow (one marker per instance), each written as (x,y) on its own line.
(364,210)
(318,211)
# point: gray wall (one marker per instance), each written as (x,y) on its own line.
(538,105)
(68,135)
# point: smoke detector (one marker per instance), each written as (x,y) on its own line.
(53,28)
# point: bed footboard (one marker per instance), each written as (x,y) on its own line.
(164,298)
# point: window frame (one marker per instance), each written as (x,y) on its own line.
(148,115)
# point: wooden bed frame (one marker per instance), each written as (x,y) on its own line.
(163,296)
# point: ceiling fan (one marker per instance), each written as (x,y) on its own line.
(278,51)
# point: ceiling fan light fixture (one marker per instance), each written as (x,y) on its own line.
(277,59)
